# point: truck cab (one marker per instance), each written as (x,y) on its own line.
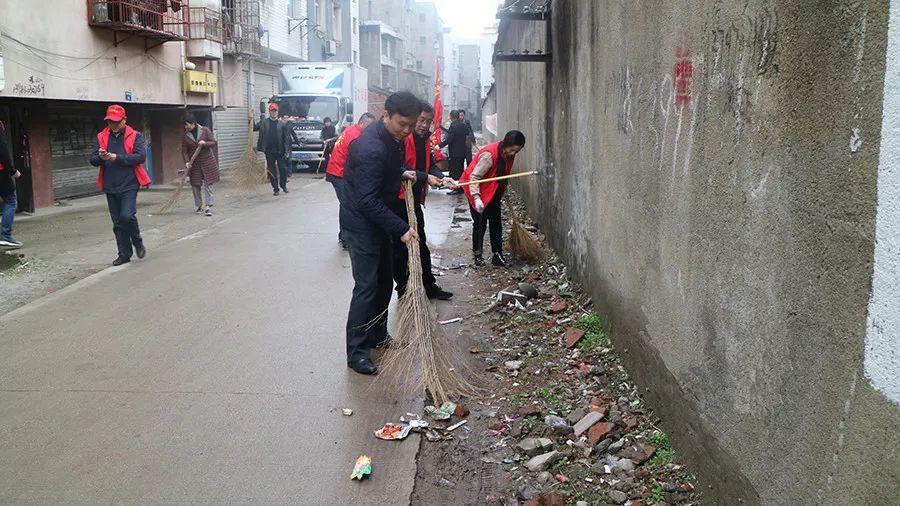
(311,92)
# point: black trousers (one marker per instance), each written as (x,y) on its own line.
(123,211)
(490,218)
(278,166)
(371,260)
(457,166)
(401,253)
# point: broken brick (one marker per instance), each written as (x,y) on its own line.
(558,307)
(630,422)
(600,431)
(638,453)
(530,410)
(599,409)
(546,499)
(461,411)
(573,336)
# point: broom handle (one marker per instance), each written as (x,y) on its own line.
(499,178)
(191,161)
(410,204)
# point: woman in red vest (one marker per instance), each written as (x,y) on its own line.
(493,160)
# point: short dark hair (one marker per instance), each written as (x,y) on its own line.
(366,115)
(513,138)
(462,111)
(327,120)
(454,114)
(403,103)
(427,108)
(190,118)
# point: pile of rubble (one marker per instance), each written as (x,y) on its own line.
(566,422)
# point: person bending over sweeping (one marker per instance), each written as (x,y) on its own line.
(493,160)
(372,179)
(204,171)
(419,153)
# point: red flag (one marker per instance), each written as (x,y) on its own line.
(438,107)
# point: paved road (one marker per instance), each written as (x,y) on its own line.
(211,372)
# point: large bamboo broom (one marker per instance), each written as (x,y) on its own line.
(168,205)
(251,171)
(417,357)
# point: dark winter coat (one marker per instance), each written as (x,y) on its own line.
(284,135)
(456,139)
(205,166)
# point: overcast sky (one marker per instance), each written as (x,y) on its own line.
(467,18)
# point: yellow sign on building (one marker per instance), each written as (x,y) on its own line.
(195,81)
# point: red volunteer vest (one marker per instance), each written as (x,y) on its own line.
(342,150)
(130,136)
(487,190)
(409,158)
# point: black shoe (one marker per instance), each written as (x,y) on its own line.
(363,366)
(438,293)
(140,250)
(120,260)
(498,260)
(285,190)
(275,193)
(479,261)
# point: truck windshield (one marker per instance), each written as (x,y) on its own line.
(309,108)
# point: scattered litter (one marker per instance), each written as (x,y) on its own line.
(418,424)
(393,432)
(456,426)
(362,468)
(442,413)
(347,412)
(448,322)
(433,436)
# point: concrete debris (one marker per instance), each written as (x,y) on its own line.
(543,461)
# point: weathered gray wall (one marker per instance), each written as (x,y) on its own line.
(724,224)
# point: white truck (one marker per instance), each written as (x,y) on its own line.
(309,92)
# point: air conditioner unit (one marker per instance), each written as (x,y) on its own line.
(331,47)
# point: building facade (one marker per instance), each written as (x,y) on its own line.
(333,30)
(468,95)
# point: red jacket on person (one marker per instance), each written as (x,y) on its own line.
(130,135)
(487,190)
(409,159)
(342,150)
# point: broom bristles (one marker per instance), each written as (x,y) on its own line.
(418,358)
(522,244)
(169,204)
(250,170)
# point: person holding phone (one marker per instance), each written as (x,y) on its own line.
(120,152)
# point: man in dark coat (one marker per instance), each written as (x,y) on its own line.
(372,179)
(204,170)
(456,142)
(8,200)
(275,142)
(470,135)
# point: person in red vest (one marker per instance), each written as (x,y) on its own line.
(120,153)
(419,154)
(334,172)
(493,160)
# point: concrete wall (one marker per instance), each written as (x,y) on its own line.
(712,176)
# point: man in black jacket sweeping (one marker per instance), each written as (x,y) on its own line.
(372,179)
(456,140)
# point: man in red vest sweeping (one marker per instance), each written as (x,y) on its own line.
(334,173)
(419,154)
(120,154)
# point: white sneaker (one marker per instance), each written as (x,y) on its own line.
(208,211)
(10,243)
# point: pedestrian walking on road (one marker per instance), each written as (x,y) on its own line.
(419,155)
(8,200)
(120,153)
(470,135)
(275,142)
(203,172)
(371,181)
(493,160)
(456,144)
(334,171)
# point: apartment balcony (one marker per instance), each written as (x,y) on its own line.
(158,20)
(240,27)
(205,32)
(390,62)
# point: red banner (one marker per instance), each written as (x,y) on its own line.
(438,107)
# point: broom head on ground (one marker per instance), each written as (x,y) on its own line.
(522,244)
(169,204)
(249,169)
(418,358)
